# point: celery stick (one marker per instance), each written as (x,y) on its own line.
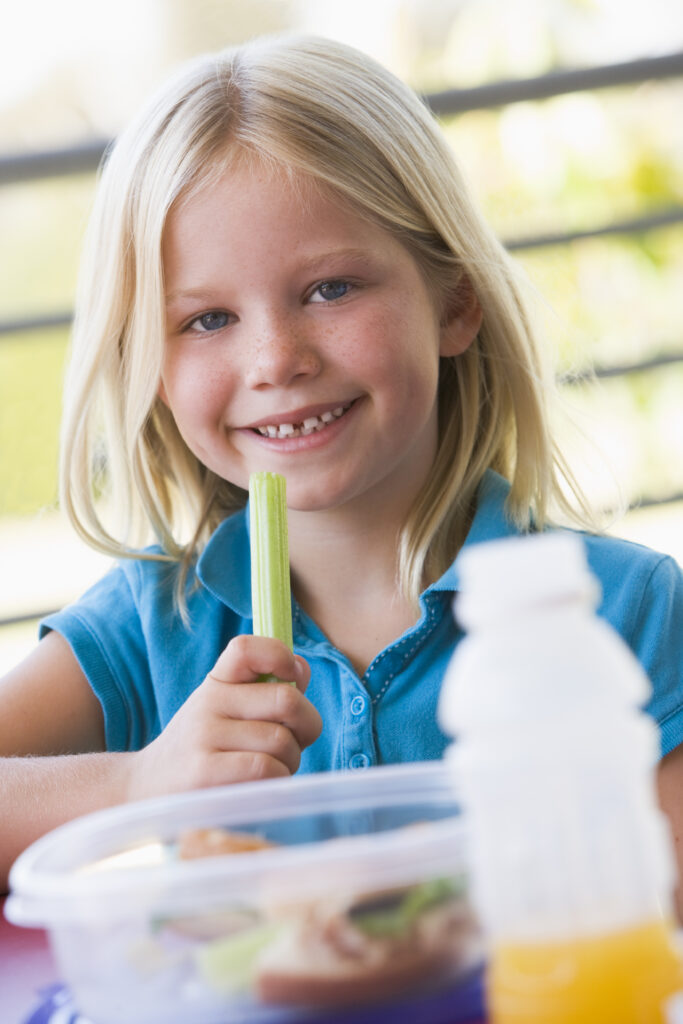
(227,964)
(270,588)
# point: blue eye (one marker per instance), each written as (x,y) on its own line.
(331,290)
(212,321)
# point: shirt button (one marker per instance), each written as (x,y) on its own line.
(358,705)
(359,761)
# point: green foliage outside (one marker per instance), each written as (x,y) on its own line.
(31,369)
(41,226)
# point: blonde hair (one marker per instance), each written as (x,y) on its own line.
(324,110)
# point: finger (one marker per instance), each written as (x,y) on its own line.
(269,702)
(270,738)
(242,766)
(247,658)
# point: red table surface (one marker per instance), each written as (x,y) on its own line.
(26,967)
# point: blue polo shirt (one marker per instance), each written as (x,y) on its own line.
(143,662)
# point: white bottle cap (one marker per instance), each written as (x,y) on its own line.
(502,576)
(536,653)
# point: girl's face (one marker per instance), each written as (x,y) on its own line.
(301,339)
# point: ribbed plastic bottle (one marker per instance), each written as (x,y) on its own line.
(554,762)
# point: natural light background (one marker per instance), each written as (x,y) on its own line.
(78,69)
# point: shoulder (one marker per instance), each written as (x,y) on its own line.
(140,653)
(135,608)
(642,598)
(132,584)
(633,577)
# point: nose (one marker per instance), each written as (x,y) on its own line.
(282,352)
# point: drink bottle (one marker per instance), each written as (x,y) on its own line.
(554,762)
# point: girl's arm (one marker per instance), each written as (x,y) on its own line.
(47,705)
(47,708)
(40,793)
(52,761)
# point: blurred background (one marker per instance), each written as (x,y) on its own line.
(567,117)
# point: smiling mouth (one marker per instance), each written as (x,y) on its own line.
(311,425)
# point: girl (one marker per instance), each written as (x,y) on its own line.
(284,271)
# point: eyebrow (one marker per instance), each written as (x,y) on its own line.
(362,255)
(363,258)
(201,295)
(196,294)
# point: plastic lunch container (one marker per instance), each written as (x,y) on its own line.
(351,892)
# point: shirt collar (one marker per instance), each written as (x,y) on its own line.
(224,566)
(490,522)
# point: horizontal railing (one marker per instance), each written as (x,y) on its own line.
(622,369)
(82,158)
(555,83)
(630,226)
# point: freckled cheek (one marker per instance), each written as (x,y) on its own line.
(364,346)
(391,349)
(194,394)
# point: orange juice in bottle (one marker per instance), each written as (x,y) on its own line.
(571,861)
(625,977)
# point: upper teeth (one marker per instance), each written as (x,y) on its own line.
(309,425)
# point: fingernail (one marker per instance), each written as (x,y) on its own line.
(301,669)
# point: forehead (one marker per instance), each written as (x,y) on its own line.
(244,177)
(254,204)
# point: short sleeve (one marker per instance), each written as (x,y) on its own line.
(658,642)
(105,632)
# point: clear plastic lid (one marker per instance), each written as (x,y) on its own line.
(385,826)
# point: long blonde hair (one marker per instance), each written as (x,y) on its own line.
(327,111)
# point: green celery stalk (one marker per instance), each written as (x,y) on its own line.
(270,587)
(227,964)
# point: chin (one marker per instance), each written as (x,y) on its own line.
(315,496)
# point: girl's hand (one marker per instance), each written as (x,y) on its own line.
(233,728)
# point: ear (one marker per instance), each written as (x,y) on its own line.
(461,320)
(161,392)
